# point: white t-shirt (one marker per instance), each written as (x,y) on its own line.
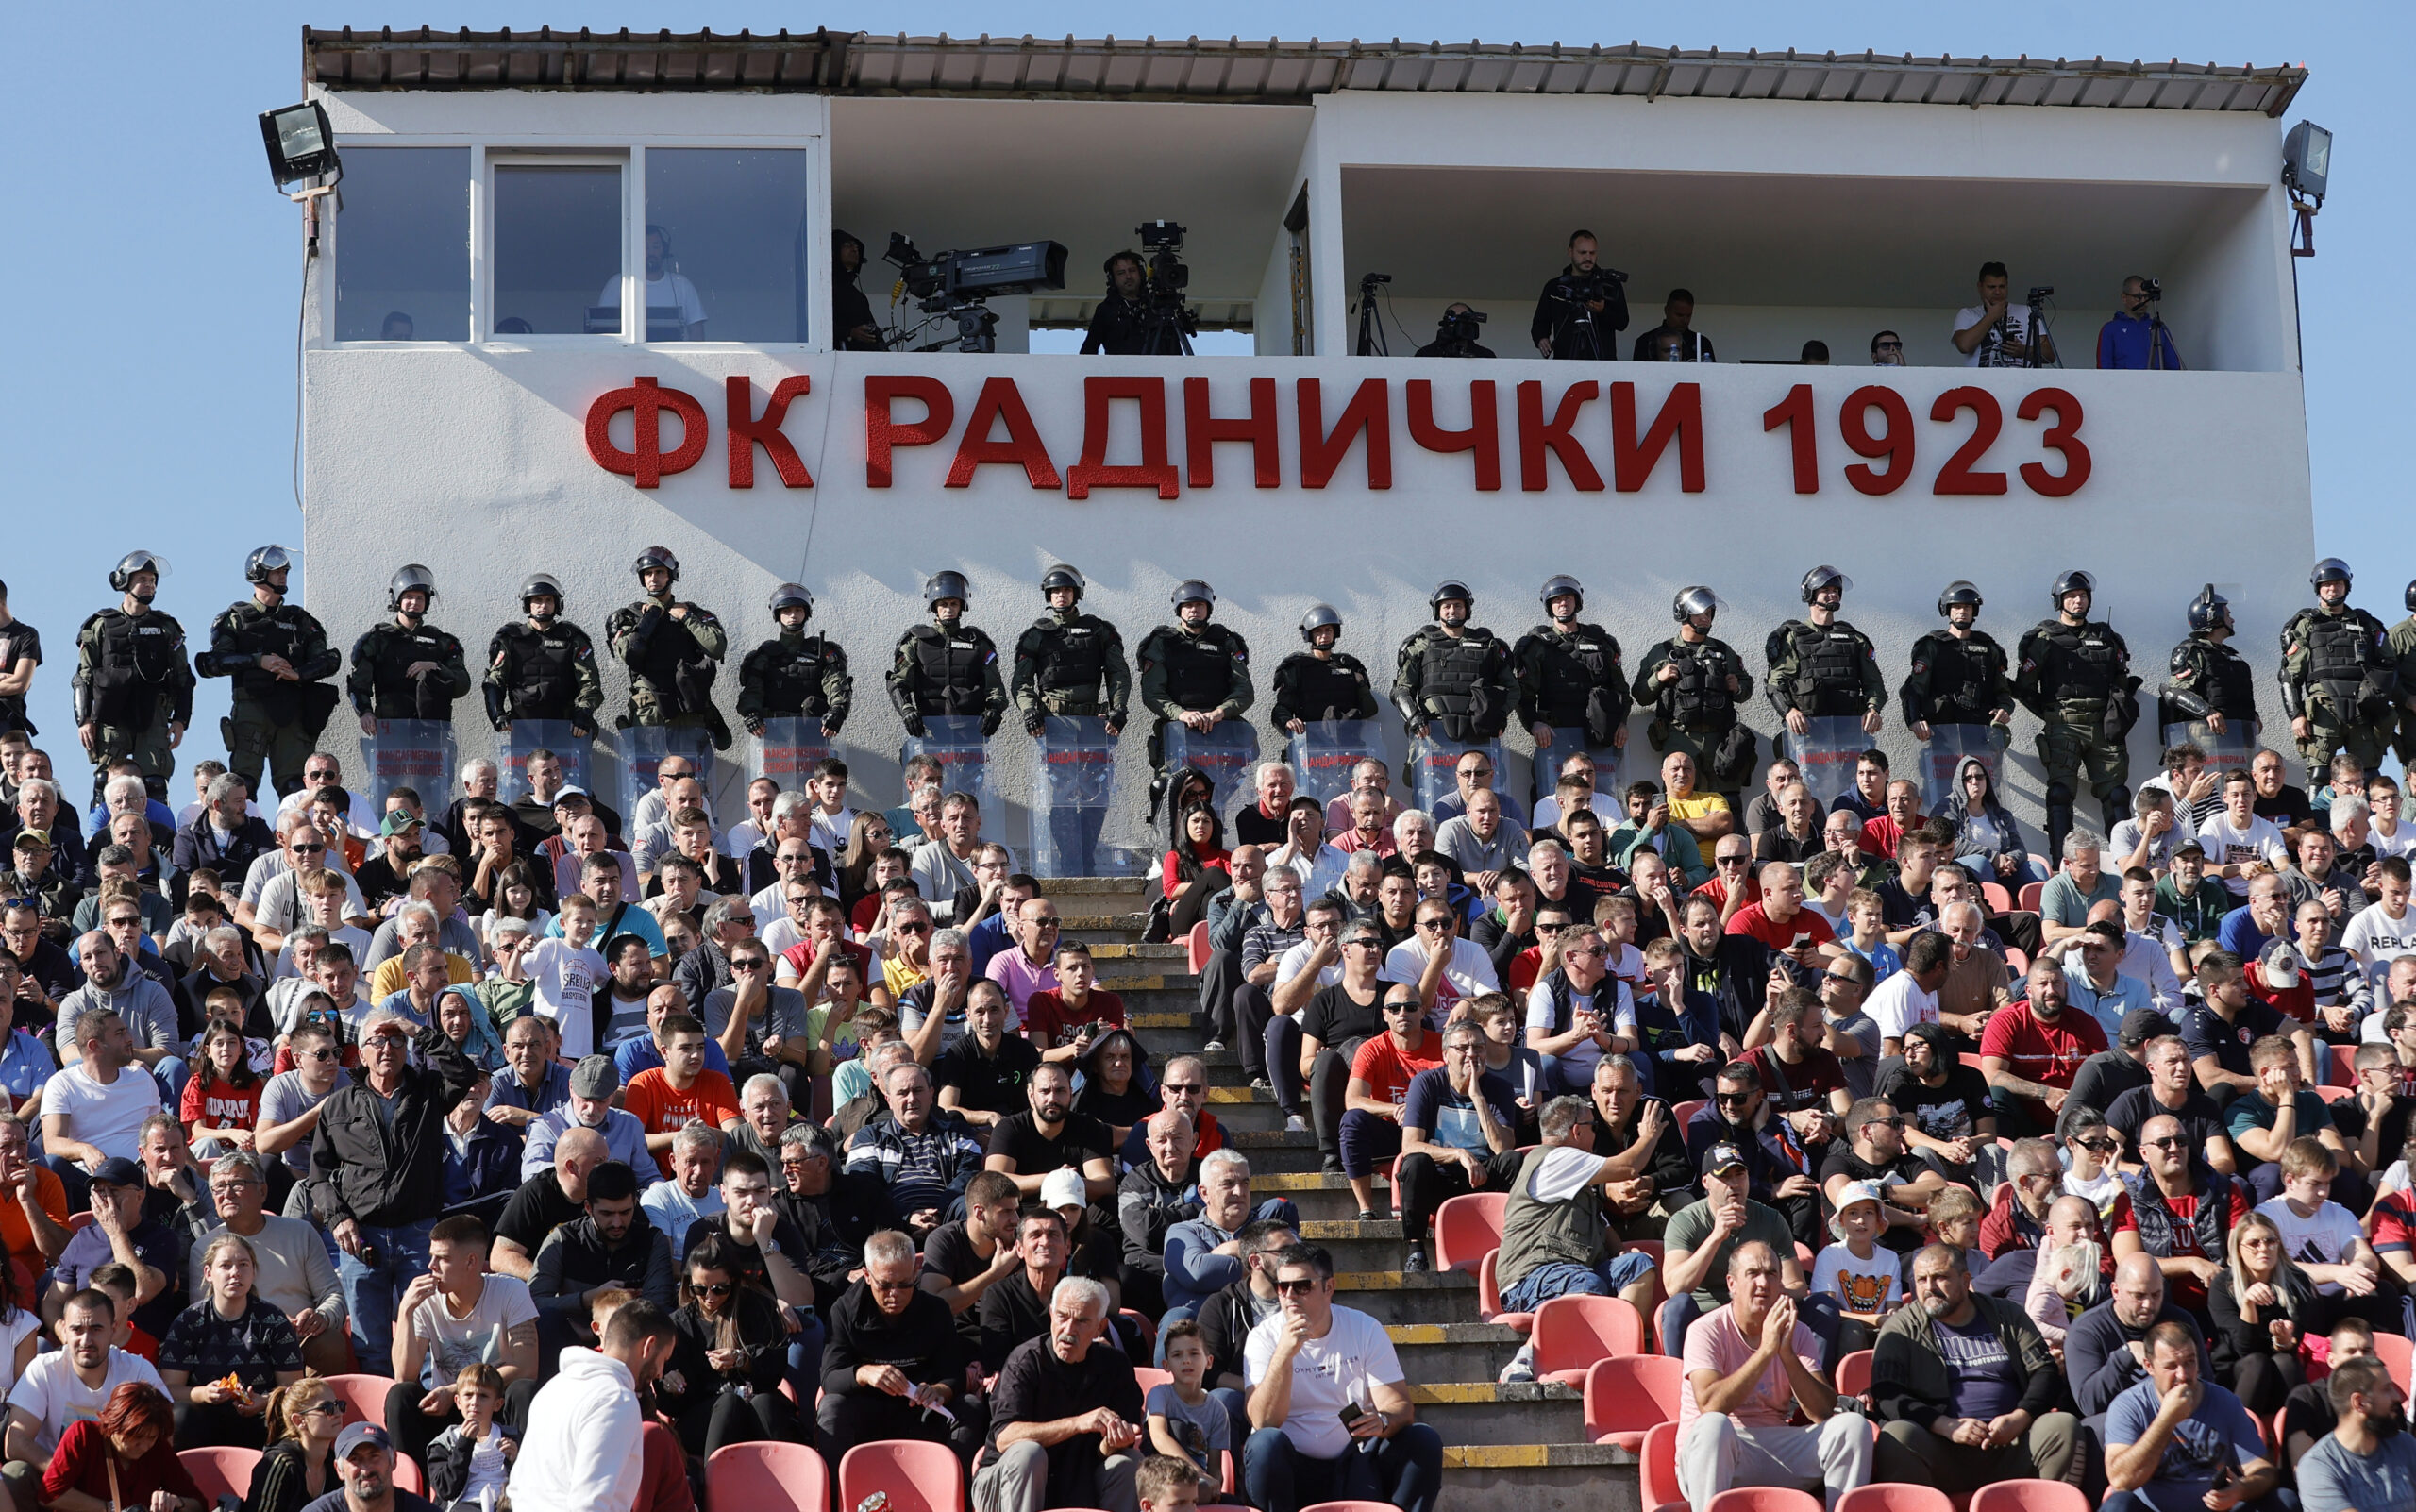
(279,903)
(2402,844)
(2321,1239)
(352,936)
(12,1334)
(2227,846)
(1577,1061)
(566,978)
(110,1118)
(829,830)
(1296,960)
(57,1398)
(2377,939)
(2127,839)
(1561,1175)
(1898,1003)
(1328,1374)
(1611,811)
(1860,1286)
(453,1342)
(1990,351)
(1468,973)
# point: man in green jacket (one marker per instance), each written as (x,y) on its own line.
(1966,1387)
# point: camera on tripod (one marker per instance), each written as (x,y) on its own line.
(1586,288)
(1168,323)
(1459,325)
(2040,293)
(957,282)
(2152,289)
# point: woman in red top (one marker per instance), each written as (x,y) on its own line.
(125,1459)
(1198,867)
(222,1101)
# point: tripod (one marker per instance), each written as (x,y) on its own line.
(977,325)
(1169,329)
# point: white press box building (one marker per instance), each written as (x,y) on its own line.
(497,189)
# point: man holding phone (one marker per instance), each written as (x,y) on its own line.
(1324,1383)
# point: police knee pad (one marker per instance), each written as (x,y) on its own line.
(2117,805)
(2060,794)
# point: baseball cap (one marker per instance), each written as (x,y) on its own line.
(397,820)
(1721,1158)
(1064,1188)
(2281,963)
(2190,848)
(2143,1024)
(595,1076)
(118,1171)
(360,1434)
(569,790)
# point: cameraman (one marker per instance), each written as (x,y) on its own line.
(1677,319)
(850,310)
(1994,332)
(1456,334)
(2137,339)
(1120,325)
(1581,309)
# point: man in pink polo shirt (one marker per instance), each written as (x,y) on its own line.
(1031,966)
(1747,1363)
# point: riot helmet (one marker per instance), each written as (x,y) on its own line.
(122,576)
(1824,577)
(1692,601)
(2409,597)
(2073,581)
(266,559)
(655,556)
(1191,591)
(949,585)
(787,594)
(2329,570)
(409,577)
(1957,592)
(1320,615)
(1560,583)
(2208,609)
(541,586)
(1451,588)
(1062,576)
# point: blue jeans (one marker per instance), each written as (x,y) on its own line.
(171,1073)
(1558,1278)
(371,1291)
(1172,1316)
(805,1355)
(2280,1499)
(1405,1470)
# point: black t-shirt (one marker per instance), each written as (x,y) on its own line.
(2104,1077)
(1333,1016)
(988,1083)
(949,1252)
(536,1210)
(2289,808)
(747,1261)
(1021,1139)
(2349,1116)
(1948,1111)
(1034,1385)
(1842,1161)
(1590,886)
(2205,1033)
(2200,1121)
(2308,1410)
(1011,1312)
(1251,828)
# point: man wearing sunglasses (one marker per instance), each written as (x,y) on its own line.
(2181,1212)
(1873,1150)
(272,899)
(1308,1364)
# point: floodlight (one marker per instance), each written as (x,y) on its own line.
(300,145)
(2307,159)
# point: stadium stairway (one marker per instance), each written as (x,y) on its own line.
(1506,1447)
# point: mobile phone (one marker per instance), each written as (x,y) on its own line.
(1351,1412)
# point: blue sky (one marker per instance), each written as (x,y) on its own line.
(151,276)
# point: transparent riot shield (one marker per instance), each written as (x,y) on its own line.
(1433,765)
(1071,779)
(1323,754)
(2235,747)
(526,737)
(955,742)
(1827,751)
(788,749)
(1226,753)
(642,749)
(1608,763)
(413,753)
(1948,748)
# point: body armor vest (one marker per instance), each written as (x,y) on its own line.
(2084,665)
(1828,669)
(1316,690)
(1700,696)
(1961,678)
(790,668)
(541,677)
(395,696)
(1452,677)
(137,660)
(1577,670)
(1200,669)
(947,669)
(1073,658)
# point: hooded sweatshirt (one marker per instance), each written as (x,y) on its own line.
(583,1450)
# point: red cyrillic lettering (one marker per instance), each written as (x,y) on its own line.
(746,433)
(1369,411)
(1482,436)
(883,433)
(1000,400)
(1154,470)
(645,461)
(1631,463)
(1559,438)
(1201,430)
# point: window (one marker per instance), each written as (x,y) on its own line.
(726,243)
(403,245)
(557,249)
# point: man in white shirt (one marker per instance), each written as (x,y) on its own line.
(2238,844)
(1307,1365)
(1446,968)
(1911,997)
(2383,931)
(669,308)
(1577,1013)
(2389,836)
(944,870)
(583,1450)
(66,1385)
(832,819)
(94,1109)
(1996,332)
(1304,850)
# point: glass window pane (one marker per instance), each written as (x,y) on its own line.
(726,243)
(557,249)
(403,245)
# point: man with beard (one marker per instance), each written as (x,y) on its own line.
(1967,1387)
(2368,1460)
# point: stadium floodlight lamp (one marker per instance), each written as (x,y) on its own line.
(300,143)
(2307,160)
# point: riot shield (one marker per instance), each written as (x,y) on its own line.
(1827,751)
(955,742)
(642,749)
(1948,748)
(1608,763)
(1071,779)
(413,753)
(1433,765)
(1323,754)
(526,737)
(788,749)
(2235,748)
(1226,753)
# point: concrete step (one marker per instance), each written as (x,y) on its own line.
(1171,1024)
(1095,929)
(1320,1197)
(1272,1151)
(1539,1478)
(1454,1352)
(1096,894)
(1472,1412)
(1355,1246)
(1390,1296)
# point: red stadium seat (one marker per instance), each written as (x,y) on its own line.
(1197,943)
(2341,1069)
(2333,1093)
(221,1471)
(1147,1377)
(363,1396)
(918,1476)
(1853,1373)
(2031,893)
(1681,1112)
(1627,1396)
(407,1476)
(1764,1499)
(1489,1299)
(1999,900)
(1890,1496)
(2029,1496)
(766,1477)
(2016,959)
(1351,1507)
(1467,1229)
(2398,1355)
(1572,1333)
(1656,1470)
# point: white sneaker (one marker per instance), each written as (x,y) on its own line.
(1521,1369)
(1296,1124)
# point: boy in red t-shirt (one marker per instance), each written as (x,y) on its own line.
(1380,1072)
(1065,1022)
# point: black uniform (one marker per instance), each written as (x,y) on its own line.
(275,721)
(1071,664)
(1441,346)
(1827,672)
(1956,681)
(1119,327)
(1573,680)
(1696,711)
(2077,679)
(18,641)
(1465,685)
(543,673)
(2208,677)
(380,688)
(795,676)
(672,664)
(941,670)
(1557,317)
(1312,690)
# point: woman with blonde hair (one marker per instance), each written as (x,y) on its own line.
(227,1353)
(300,1464)
(2261,1303)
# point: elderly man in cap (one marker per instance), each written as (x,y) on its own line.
(593,1081)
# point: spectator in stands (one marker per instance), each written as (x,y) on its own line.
(2177,1439)
(554,1195)
(1798,1073)
(594,1082)
(69,1385)
(121,1233)
(292,1272)
(1203,1254)
(694,1191)
(584,1448)
(455,1316)
(123,1456)
(1949,1123)
(2094,979)
(1376,1094)
(1772,1144)
(723,1380)
(1031,966)
(1483,841)
(1873,1150)
(1049,1135)
(2168,1089)
(94,1110)
(2368,1459)
(983,1078)
(224,1354)
(963,1260)
(2279,1111)
(1459,1132)
(1554,1238)
(2080,885)
(2031,1051)
(923,1155)
(2181,1212)
(2261,1304)
(612,1244)
(1966,1387)
(1749,1364)
(1309,1363)
(893,1351)
(1014,1310)
(1066,1416)
(1227,1316)
(2100,1361)
(1152,1199)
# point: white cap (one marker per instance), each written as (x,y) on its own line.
(1063,1188)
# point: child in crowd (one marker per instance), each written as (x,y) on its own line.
(468,1463)
(1867,1281)
(1185,1422)
(1868,917)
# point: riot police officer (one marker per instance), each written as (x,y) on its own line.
(2401,646)
(2210,681)
(1569,675)
(1320,683)
(1194,672)
(133,686)
(278,657)
(2075,676)
(2339,684)
(947,667)
(1452,677)
(1070,663)
(407,668)
(1960,675)
(673,650)
(794,675)
(542,666)
(1694,683)
(1821,667)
